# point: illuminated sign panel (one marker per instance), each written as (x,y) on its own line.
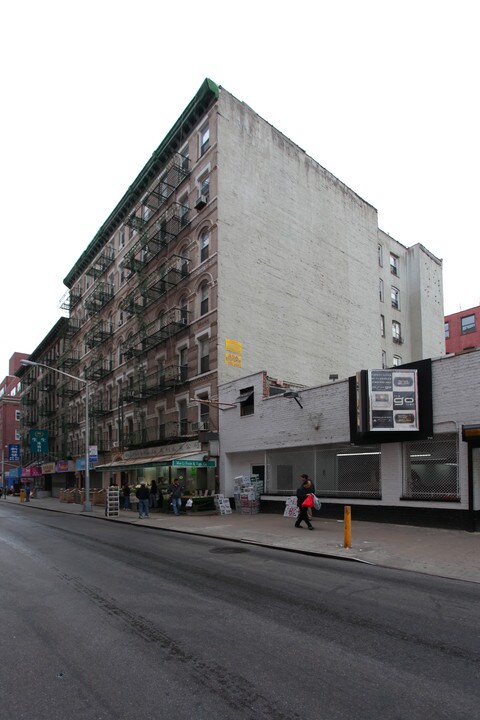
(393,400)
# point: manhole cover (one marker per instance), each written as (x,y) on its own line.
(229,550)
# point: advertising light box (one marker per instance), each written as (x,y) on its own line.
(393,400)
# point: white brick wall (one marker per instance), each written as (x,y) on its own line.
(279,423)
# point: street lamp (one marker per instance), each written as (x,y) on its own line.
(87,505)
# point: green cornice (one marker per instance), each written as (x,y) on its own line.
(197,107)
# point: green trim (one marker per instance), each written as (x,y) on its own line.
(197,107)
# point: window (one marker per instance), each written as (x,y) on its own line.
(204,185)
(380,255)
(120,318)
(384,359)
(184,210)
(468,324)
(394,261)
(183,363)
(447,330)
(397,360)
(380,290)
(204,139)
(396,332)
(204,352)
(246,400)
(184,262)
(185,159)
(382,325)
(184,310)
(395,298)
(182,417)
(17,415)
(17,435)
(204,244)
(204,298)
(121,238)
(161,424)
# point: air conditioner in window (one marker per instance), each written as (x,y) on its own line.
(201,202)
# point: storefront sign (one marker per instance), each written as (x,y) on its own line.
(48,468)
(35,471)
(63,466)
(178,462)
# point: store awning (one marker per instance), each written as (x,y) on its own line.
(142,463)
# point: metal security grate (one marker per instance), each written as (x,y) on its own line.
(354,472)
(431,469)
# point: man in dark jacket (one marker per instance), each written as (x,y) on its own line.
(143,495)
(175,491)
(305,489)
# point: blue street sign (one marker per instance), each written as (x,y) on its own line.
(14,452)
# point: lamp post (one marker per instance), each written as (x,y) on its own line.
(87,505)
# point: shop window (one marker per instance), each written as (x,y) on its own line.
(431,469)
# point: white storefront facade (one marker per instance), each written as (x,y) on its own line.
(427,479)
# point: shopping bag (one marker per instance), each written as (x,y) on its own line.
(308,502)
(316,503)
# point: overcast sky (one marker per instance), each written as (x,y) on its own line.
(382,94)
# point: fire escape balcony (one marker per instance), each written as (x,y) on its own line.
(70,424)
(29,399)
(165,378)
(69,388)
(98,298)
(101,263)
(172,321)
(98,369)
(30,419)
(69,360)
(100,409)
(72,328)
(47,410)
(99,334)
(154,434)
(70,299)
(176,170)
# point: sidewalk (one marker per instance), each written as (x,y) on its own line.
(446,553)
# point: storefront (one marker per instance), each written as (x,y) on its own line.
(196,472)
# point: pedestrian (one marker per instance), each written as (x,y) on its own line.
(153,494)
(175,490)
(143,495)
(126,496)
(27,493)
(303,477)
(305,489)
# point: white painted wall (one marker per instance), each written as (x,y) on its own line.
(279,423)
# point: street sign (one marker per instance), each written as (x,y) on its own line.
(39,441)
(14,452)
(93,453)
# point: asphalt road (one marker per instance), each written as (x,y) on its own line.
(102,621)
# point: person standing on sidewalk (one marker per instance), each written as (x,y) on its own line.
(175,491)
(153,494)
(143,495)
(303,477)
(126,496)
(305,489)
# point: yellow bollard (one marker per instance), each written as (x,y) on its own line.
(347,526)
(22,496)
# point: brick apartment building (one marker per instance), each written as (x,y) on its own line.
(10,414)
(462,330)
(231,251)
